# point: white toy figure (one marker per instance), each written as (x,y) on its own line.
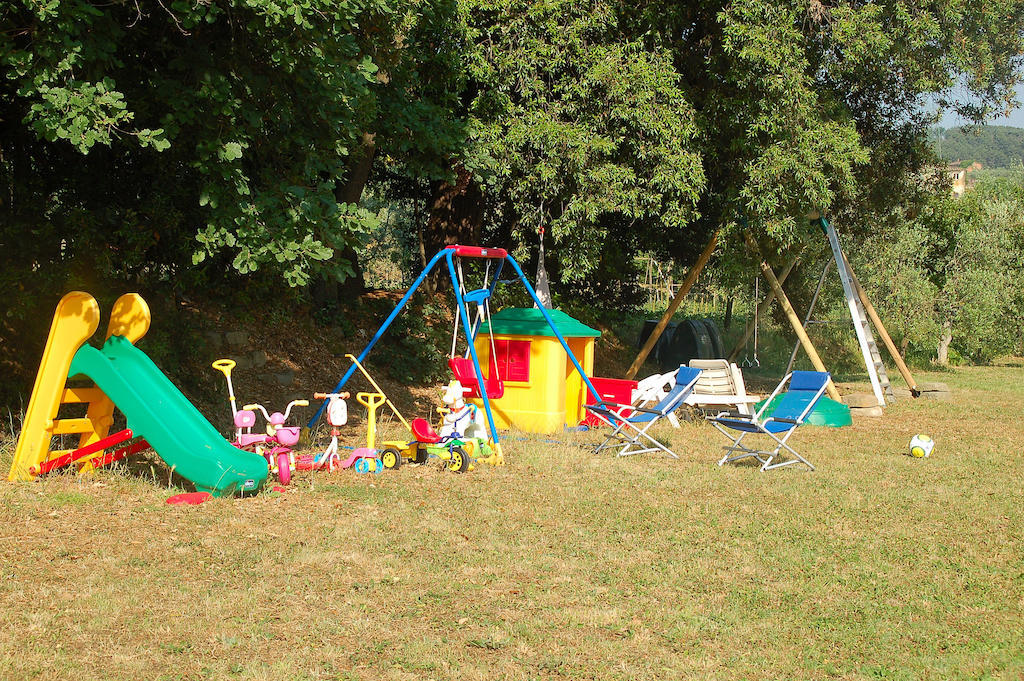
(462,420)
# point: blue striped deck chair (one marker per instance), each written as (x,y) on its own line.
(804,391)
(629,434)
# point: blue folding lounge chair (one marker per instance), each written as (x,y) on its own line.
(805,389)
(629,434)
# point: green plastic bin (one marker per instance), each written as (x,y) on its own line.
(827,412)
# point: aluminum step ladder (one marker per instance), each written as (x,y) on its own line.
(865,338)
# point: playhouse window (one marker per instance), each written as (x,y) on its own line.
(512,359)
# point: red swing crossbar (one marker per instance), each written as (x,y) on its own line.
(478,252)
(82,452)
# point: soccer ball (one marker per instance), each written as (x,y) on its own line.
(921,446)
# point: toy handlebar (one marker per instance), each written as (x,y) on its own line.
(254,407)
(324,396)
(224,366)
(294,403)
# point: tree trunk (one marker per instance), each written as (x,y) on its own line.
(327,289)
(456,217)
(728,315)
(945,338)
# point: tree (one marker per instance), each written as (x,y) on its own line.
(948,278)
(236,134)
(647,125)
(974,261)
(577,128)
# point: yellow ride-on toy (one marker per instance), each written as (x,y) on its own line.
(458,453)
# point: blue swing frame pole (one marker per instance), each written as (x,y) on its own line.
(448,254)
(380,332)
(472,346)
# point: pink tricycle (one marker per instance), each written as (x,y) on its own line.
(275,445)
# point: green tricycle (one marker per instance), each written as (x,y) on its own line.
(459,453)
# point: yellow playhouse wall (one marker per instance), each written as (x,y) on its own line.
(575,388)
(553,396)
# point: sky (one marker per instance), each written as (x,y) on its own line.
(1015,119)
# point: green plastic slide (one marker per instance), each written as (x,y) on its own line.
(156,410)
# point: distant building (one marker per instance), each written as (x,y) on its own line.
(957,173)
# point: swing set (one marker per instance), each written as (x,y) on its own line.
(466,367)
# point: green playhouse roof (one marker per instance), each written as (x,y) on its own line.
(529,321)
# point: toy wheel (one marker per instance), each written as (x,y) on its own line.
(421,455)
(284,469)
(378,466)
(391,458)
(362,465)
(459,463)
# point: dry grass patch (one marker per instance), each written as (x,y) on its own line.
(560,565)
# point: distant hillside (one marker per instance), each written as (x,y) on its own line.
(994,146)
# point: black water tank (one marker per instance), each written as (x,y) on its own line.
(717,346)
(664,340)
(683,341)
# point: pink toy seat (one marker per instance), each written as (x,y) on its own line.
(462,367)
(288,435)
(249,439)
(422,431)
(245,419)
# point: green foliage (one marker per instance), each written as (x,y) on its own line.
(417,343)
(230,127)
(648,126)
(578,128)
(954,269)
(994,146)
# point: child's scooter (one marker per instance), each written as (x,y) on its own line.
(362,459)
(337,416)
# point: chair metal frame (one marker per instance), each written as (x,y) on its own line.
(769,426)
(629,434)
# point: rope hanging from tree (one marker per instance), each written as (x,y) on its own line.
(543,289)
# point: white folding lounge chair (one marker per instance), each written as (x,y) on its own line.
(630,434)
(652,390)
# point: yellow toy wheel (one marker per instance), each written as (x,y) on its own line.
(459,461)
(391,458)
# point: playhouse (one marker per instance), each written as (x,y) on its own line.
(542,388)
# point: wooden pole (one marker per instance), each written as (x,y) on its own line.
(889,345)
(749,330)
(805,341)
(684,289)
(792,316)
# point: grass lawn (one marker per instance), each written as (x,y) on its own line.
(560,565)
